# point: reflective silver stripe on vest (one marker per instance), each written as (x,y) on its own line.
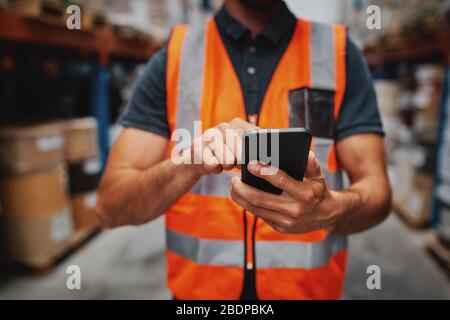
(289,254)
(210,252)
(322,56)
(191,78)
(323,75)
(214,185)
(322,148)
(189,100)
(335,180)
(269,254)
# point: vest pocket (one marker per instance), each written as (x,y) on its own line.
(312,109)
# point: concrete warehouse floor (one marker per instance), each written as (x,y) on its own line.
(128,263)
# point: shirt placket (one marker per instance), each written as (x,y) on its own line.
(250,83)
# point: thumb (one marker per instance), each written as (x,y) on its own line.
(313,167)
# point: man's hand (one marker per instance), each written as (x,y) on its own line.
(217,149)
(302,207)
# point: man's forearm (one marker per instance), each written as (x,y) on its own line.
(362,206)
(134,197)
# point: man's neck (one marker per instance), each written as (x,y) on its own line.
(253,20)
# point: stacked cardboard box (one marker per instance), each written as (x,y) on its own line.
(36,219)
(40,166)
(84,169)
(409,107)
(412,185)
(427,100)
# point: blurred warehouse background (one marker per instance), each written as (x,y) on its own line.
(62,91)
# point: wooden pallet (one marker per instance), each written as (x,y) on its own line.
(45,264)
(74,242)
(413,220)
(48,11)
(439,252)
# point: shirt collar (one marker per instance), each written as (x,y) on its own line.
(281,24)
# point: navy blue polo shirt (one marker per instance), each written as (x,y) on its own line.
(254,60)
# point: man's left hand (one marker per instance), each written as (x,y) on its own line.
(302,207)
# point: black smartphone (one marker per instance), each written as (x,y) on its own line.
(286,149)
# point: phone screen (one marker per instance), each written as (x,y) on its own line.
(286,149)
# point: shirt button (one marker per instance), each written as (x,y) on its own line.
(252,49)
(251,70)
(249,266)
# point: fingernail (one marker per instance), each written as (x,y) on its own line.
(264,164)
(253,166)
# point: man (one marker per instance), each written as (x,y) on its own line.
(225,239)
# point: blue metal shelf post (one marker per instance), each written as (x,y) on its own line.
(443,123)
(101,106)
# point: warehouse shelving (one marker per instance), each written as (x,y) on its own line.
(15,27)
(102,45)
(412,51)
(420,51)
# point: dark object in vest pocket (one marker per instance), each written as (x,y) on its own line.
(312,109)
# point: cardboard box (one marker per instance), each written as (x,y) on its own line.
(25,149)
(443,227)
(83,210)
(81,139)
(427,101)
(34,194)
(412,187)
(35,239)
(419,200)
(84,175)
(388,93)
(401,173)
(50,11)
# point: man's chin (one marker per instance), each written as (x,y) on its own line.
(261,5)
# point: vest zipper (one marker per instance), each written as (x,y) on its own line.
(249,266)
(255,218)
(249,285)
(250,262)
(250,254)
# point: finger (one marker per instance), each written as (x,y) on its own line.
(240,126)
(313,170)
(276,227)
(228,145)
(275,176)
(212,143)
(238,123)
(258,198)
(210,162)
(223,153)
(233,140)
(265,214)
(230,158)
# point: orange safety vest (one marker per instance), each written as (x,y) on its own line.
(209,237)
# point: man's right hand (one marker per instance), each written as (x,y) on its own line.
(139,181)
(218,148)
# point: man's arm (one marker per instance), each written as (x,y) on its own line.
(138,185)
(309,205)
(368,200)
